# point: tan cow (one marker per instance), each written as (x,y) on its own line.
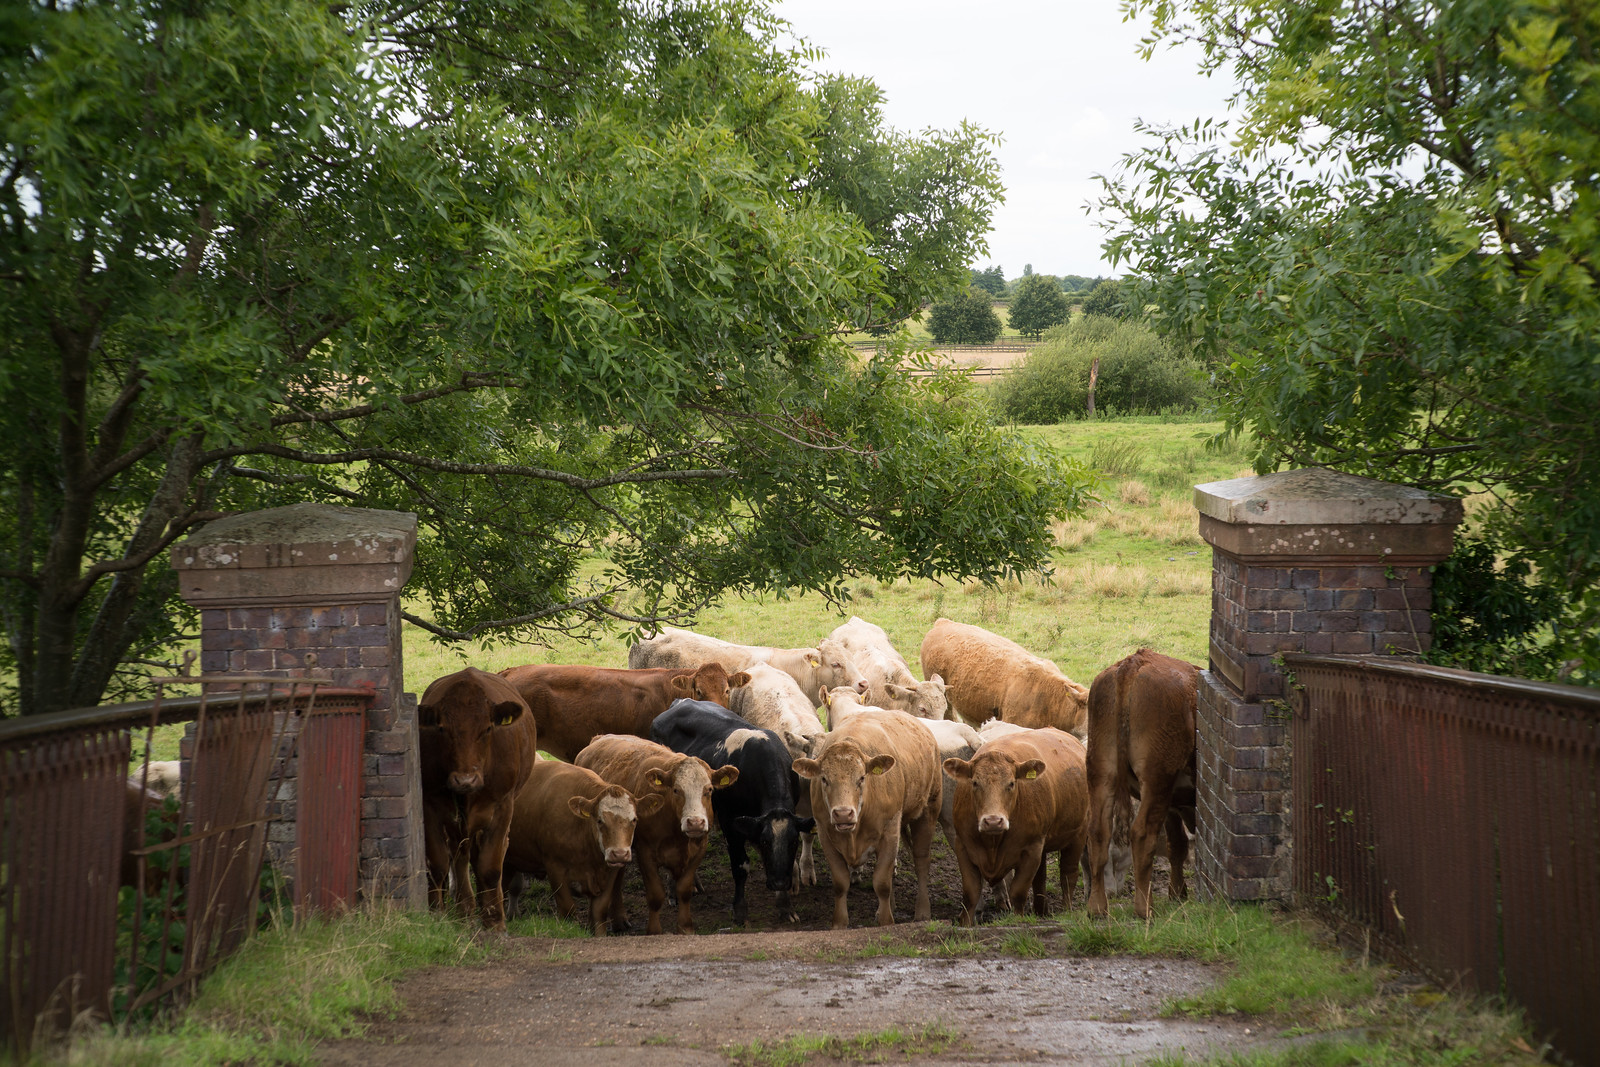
(955,739)
(875,778)
(990,676)
(576,829)
(889,678)
(674,837)
(828,664)
(1019,798)
(1141,743)
(478,744)
(573,704)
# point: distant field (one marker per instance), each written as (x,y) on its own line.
(1133,572)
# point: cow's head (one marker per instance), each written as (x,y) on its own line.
(835,666)
(994,777)
(842,771)
(612,816)
(686,784)
(925,700)
(708,682)
(466,708)
(776,836)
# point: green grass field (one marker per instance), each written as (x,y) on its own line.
(1131,572)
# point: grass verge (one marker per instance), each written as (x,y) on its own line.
(288,988)
(893,1043)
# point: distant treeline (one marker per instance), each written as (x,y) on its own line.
(992,280)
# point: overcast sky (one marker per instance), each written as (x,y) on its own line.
(1062,82)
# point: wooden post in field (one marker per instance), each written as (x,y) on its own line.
(1094,376)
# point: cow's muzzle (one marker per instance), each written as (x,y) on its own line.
(844,819)
(993,824)
(695,827)
(466,781)
(618,857)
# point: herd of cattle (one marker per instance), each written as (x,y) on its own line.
(1010,757)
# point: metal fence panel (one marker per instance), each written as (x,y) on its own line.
(1456,815)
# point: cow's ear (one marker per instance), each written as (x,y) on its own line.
(958,768)
(582,807)
(506,712)
(749,826)
(656,779)
(879,764)
(805,825)
(683,682)
(648,804)
(895,691)
(738,678)
(724,777)
(822,698)
(936,680)
(1030,769)
(807,768)
(814,659)
(427,715)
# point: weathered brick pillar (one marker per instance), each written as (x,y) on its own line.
(1302,561)
(276,587)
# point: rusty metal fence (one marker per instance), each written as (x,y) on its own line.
(113,900)
(1457,816)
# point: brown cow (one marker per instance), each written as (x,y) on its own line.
(875,777)
(1018,799)
(574,704)
(674,837)
(1141,743)
(478,745)
(575,828)
(989,676)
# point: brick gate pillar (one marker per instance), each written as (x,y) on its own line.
(1302,561)
(276,588)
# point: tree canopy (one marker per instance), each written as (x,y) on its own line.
(967,318)
(991,280)
(564,280)
(1392,261)
(1037,305)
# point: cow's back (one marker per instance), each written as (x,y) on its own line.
(713,733)
(685,648)
(543,824)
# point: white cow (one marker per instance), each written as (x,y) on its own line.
(764,696)
(828,664)
(891,683)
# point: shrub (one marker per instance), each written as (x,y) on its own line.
(965,319)
(1140,374)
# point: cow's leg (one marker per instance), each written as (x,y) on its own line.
(655,894)
(561,887)
(599,905)
(1028,864)
(685,888)
(1177,853)
(615,910)
(922,857)
(436,847)
(1069,872)
(1151,820)
(1100,785)
(490,827)
(807,873)
(883,873)
(839,871)
(740,861)
(971,887)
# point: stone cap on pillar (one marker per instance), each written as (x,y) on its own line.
(296,554)
(1319,514)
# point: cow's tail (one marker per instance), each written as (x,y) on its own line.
(1122,781)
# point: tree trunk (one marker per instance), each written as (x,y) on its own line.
(1094,376)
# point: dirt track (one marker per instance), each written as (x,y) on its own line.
(683,1000)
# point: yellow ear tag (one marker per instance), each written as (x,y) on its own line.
(877,770)
(584,814)
(1031,774)
(814,661)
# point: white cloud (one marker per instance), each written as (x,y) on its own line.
(1063,84)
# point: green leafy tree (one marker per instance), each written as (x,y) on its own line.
(1107,299)
(967,318)
(564,280)
(1037,305)
(1139,373)
(991,280)
(1394,268)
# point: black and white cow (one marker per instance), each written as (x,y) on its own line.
(757,809)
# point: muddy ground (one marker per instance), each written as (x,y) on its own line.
(690,1000)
